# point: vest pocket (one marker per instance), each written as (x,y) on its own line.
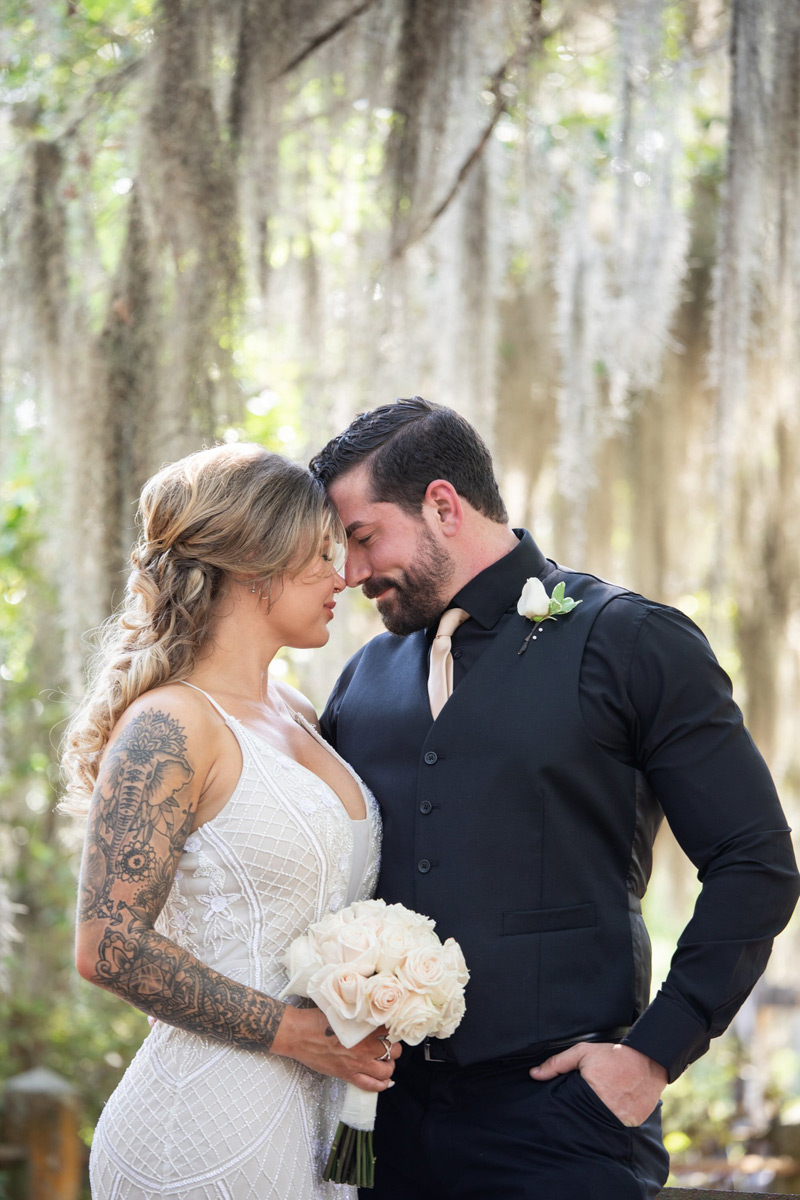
(549,920)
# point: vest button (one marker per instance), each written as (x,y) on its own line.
(457,653)
(423,866)
(431,757)
(425,807)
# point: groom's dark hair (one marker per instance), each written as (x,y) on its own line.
(408,444)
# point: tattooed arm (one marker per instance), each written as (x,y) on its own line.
(143,809)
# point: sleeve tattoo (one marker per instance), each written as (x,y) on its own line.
(140,819)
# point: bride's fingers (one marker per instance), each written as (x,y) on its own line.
(368,1083)
(380,1068)
(376,1068)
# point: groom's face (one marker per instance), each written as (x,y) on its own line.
(395,557)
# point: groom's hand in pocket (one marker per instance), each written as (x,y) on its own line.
(304,1034)
(627,1081)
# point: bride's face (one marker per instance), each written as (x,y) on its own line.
(300,607)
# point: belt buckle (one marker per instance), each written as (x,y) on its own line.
(426,1052)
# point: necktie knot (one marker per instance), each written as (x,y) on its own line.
(440,674)
(450,622)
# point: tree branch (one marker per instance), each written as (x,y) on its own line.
(322,38)
(499,107)
(112,83)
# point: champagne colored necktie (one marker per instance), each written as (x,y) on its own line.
(440,672)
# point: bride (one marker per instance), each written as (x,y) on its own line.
(220,826)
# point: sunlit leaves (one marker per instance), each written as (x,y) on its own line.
(59,52)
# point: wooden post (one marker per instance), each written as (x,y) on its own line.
(41,1117)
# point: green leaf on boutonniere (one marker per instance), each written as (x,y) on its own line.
(559,603)
(538,607)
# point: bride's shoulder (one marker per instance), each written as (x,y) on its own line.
(179,715)
(297,702)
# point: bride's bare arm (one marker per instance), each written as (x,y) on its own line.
(142,811)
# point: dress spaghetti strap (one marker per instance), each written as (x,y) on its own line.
(227,718)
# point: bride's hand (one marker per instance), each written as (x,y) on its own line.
(304,1034)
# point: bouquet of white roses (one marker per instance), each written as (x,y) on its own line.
(369,965)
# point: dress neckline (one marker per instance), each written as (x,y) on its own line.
(304,723)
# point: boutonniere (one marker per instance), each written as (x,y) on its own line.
(535,604)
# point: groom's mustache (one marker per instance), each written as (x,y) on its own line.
(373,587)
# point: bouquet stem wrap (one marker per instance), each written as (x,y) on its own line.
(352,1159)
(359,1108)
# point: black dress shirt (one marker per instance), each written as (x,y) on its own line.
(654,697)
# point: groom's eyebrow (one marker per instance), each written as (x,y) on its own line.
(354,526)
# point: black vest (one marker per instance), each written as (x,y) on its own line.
(507,824)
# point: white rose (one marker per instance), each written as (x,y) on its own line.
(414,1019)
(423,970)
(301,961)
(398,914)
(355,945)
(450,1016)
(365,914)
(384,994)
(534,603)
(395,943)
(341,987)
(373,922)
(326,933)
(368,909)
(359,947)
(455,963)
(341,992)
(369,914)
(454,978)
(328,927)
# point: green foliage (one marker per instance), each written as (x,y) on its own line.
(25,597)
(700,1105)
(18,504)
(48,1016)
(75,1029)
(61,51)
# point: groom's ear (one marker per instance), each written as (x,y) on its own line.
(444,506)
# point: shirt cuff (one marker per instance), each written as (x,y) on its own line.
(669,1035)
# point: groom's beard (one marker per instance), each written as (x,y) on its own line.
(416,599)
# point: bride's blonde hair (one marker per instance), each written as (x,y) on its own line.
(236,509)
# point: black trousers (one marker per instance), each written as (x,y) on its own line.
(490,1132)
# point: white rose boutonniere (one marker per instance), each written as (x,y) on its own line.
(535,604)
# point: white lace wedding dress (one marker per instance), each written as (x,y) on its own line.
(193,1119)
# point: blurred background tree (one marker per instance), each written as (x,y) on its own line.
(575,223)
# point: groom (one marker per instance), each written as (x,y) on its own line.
(520,813)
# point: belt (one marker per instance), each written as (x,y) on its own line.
(541,1050)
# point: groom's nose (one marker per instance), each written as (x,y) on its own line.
(357,568)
